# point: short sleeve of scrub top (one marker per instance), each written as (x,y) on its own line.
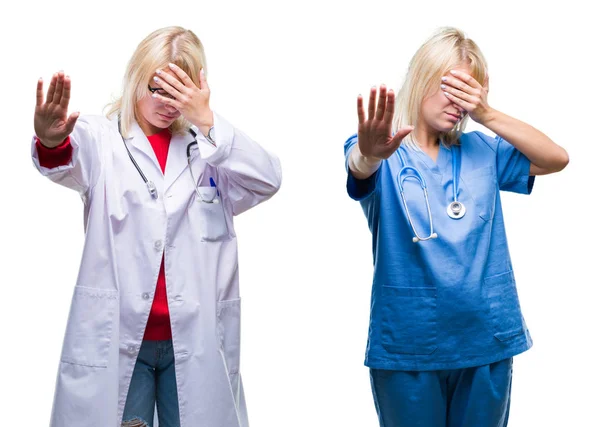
(511,165)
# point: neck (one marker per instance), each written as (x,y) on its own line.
(147,128)
(427,138)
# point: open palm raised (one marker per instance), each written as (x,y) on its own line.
(375,137)
(50,120)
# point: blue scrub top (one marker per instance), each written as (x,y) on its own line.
(450,302)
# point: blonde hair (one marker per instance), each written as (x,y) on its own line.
(446,49)
(171,44)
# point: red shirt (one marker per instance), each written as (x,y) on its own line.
(159,324)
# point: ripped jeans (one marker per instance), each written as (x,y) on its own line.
(153,384)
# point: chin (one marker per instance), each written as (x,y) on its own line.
(446,128)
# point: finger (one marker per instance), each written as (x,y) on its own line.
(389,111)
(168,101)
(66,93)
(176,93)
(167,78)
(371,106)
(203,82)
(51,88)
(460,94)
(467,78)
(185,79)
(71,122)
(59,88)
(458,84)
(381,102)
(39,93)
(360,109)
(460,102)
(486,83)
(400,135)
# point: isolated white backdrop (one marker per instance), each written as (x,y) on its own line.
(287,73)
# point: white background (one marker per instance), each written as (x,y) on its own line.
(288,75)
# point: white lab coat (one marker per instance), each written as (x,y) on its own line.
(126,234)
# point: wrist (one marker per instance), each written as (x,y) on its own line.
(50,144)
(205,122)
(362,166)
(488,117)
(366,160)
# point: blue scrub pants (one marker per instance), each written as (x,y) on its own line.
(471,397)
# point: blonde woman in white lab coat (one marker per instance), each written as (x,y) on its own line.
(155,315)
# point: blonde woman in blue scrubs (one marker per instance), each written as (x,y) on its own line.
(445,315)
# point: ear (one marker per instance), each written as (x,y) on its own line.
(486,83)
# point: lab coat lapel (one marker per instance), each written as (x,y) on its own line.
(177,158)
(138,144)
(143,154)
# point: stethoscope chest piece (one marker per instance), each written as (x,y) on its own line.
(456,210)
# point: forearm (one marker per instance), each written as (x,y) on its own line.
(544,154)
(361,167)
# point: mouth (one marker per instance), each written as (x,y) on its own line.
(456,117)
(166,117)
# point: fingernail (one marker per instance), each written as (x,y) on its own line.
(154,95)
(155,78)
(452,72)
(443,86)
(202,71)
(446,93)
(171,65)
(157,71)
(444,78)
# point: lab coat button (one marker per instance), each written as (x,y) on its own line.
(146,295)
(131,349)
(158,245)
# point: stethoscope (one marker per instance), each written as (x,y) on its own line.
(150,185)
(455,210)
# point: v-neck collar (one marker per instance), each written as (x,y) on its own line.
(439,166)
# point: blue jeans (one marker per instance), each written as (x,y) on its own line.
(471,397)
(153,383)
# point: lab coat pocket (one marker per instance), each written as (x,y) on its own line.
(409,320)
(213,225)
(504,306)
(229,328)
(482,187)
(90,327)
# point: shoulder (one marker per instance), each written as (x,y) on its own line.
(94,120)
(479,141)
(95,123)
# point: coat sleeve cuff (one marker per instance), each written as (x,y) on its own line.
(217,153)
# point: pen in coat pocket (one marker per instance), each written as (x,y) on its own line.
(212,184)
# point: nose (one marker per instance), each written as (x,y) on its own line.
(170,108)
(459,110)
